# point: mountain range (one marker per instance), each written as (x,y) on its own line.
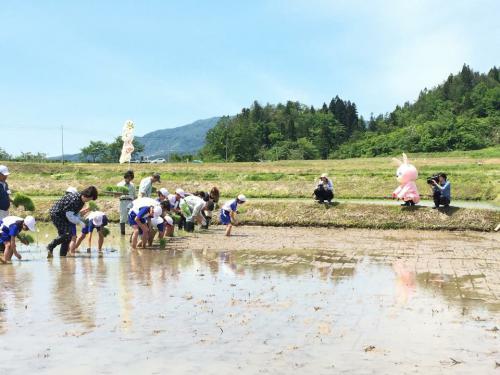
(185,139)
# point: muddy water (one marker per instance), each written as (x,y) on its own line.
(267,300)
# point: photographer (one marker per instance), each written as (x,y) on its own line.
(441,190)
(324,189)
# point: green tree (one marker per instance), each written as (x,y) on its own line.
(4,155)
(96,151)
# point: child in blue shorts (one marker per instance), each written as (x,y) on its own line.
(228,213)
(10,227)
(160,225)
(95,220)
(139,217)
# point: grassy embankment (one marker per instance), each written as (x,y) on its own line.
(475,175)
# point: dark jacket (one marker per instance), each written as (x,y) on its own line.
(69,202)
(4,197)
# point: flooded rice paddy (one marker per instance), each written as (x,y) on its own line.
(268,300)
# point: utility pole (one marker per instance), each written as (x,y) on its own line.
(62,144)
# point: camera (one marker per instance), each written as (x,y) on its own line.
(433,178)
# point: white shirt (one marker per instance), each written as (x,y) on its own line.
(146,187)
(9,220)
(143,202)
(174,203)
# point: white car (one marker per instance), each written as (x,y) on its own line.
(157,161)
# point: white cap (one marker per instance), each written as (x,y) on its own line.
(242,198)
(71,189)
(157,211)
(4,170)
(324,175)
(164,192)
(29,221)
(169,220)
(97,219)
(157,220)
(180,192)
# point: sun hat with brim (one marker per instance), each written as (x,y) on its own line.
(180,192)
(4,170)
(242,198)
(169,220)
(164,192)
(30,222)
(157,176)
(324,175)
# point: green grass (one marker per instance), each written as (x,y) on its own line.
(475,175)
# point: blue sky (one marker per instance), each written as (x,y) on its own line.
(91,65)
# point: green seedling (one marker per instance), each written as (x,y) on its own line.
(93,206)
(105,232)
(26,237)
(23,200)
(163,243)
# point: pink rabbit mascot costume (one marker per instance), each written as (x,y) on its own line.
(407,189)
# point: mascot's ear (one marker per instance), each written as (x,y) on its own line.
(397,161)
(405,158)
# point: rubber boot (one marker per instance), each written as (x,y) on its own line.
(122,229)
(189,226)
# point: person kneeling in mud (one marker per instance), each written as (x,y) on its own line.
(193,208)
(324,190)
(95,220)
(10,227)
(228,213)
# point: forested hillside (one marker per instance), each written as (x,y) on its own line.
(462,113)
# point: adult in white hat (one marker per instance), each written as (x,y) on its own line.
(10,227)
(228,213)
(5,199)
(324,189)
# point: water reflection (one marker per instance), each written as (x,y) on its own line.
(249,309)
